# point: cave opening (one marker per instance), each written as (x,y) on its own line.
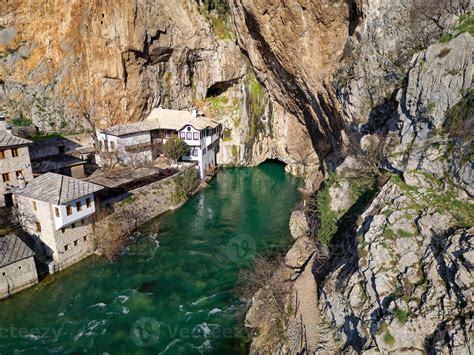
(275,161)
(219,88)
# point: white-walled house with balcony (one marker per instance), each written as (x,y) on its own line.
(58,211)
(141,141)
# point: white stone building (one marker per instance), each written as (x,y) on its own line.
(17,266)
(58,212)
(15,165)
(138,142)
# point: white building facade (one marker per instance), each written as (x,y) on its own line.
(58,212)
(140,142)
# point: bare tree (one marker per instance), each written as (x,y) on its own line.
(262,276)
(431,18)
(108,159)
(23,217)
(185,184)
(110,234)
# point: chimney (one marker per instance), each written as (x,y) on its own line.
(3,123)
(195,112)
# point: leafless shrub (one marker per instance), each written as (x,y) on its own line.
(430,18)
(22,217)
(109,160)
(185,184)
(370,154)
(111,233)
(262,275)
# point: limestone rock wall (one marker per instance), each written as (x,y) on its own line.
(114,62)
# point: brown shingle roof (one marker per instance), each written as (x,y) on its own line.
(57,189)
(9,140)
(13,249)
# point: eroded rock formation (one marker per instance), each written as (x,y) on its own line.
(358,88)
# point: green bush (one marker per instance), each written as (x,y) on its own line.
(227,135)
(388,339)
(465,24)
(458,115)
(328,217)
(361,192)
(21,122)
(175,148)
(405,234)
(401,315)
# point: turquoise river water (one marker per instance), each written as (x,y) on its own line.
(172,290)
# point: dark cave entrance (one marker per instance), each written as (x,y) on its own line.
(219,88)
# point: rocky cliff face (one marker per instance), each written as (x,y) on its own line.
(394,265)
(119,61)
(377,93)
(115,63)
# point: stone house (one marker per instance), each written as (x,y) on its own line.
(57,211)
(17,266)
(141,141)
(15,165)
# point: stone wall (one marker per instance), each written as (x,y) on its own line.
(53,146)
(73,244)
(11,165)
(17,276)
(146,202)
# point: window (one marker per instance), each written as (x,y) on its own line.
(56,211)
(189,135)
(18,174)
(73,225)
(68,210)
(88,202)
(3,154)
(182,135)
(6,177)
(62,230)
(66,247)
(15,152)
(204,151)
(112,145)
(75,242)
(195,152)
(38,227)
(106,146)
(34,205)
(196,136)
(85,238)
(79,206)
